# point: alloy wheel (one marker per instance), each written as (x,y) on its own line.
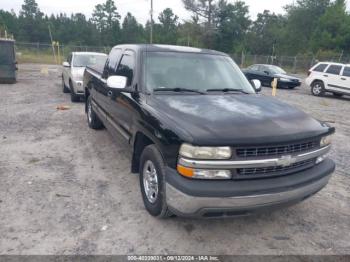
(150,181)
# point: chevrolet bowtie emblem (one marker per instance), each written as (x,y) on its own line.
(285,161)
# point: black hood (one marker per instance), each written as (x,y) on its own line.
(235,119)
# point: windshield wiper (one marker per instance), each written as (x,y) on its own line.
(227,90)
(179,89)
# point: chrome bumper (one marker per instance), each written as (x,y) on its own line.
(186,205)
(270,162)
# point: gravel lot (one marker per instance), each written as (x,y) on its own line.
(61,194)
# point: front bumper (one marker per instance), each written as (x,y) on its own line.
(193,198)
(288,84)
(78,88)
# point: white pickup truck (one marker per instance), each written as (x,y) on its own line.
(73,71)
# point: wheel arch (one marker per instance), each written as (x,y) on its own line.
(317,80)
(140,143)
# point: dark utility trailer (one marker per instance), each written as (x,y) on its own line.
(8,63)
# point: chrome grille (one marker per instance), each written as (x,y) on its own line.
(275,170)
(276,150)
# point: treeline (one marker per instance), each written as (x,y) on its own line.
(308,26)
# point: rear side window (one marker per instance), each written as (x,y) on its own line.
(320,68)
(346,71)
(112,62)
(127,66)
(334,70)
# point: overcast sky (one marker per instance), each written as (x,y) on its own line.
(139,8)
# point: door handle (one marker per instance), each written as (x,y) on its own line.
(110,93)
(325,75)
(343,78)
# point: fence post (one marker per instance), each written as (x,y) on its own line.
(242,59)
(295,65)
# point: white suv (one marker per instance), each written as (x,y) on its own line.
(329,77)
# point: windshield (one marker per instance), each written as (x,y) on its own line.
(6,53)
(276,70)
(202,72)
(89,60)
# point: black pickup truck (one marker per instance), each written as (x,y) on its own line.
(202,138)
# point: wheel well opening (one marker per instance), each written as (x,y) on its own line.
(141,141)
(317,81)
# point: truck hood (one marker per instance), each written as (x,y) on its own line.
(235,119)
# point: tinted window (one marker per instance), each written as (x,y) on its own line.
(83,60)
(264,69)
(126,66)
(320,67)
(112,62)
(346,71)
(193,71)
(254,68)
(334,70)
(276,70)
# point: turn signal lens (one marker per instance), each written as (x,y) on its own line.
(185,171)
(204,174)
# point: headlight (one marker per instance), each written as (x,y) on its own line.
(196,152)
(284,79)
(203,173)
(326,140)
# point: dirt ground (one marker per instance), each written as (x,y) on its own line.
(60,193)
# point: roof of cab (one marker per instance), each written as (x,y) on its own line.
(88,53)
(169,48)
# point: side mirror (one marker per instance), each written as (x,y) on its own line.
(267,72)
(256,85)
(66,64)
(117,82)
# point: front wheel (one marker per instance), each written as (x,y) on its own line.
(317,88)
(152,182)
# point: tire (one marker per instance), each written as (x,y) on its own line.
(65,89)
(152,172)
(317,88)
(338,95)
(93,120)
(73,96)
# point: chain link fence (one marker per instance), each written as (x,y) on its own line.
(56,54)
(51,54)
